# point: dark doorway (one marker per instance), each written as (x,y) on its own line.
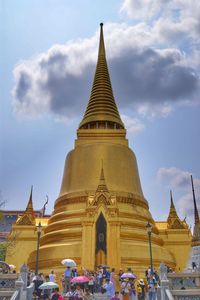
(101,237)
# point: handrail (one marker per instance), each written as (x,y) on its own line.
(30,290)
(169,294)
(15,295)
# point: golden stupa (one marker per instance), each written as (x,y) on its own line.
(101,214)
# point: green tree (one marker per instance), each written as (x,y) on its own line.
(8,245)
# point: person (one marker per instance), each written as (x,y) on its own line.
(99,278)
(46,292)
(152,288)
(112,277)
(37,282)
(68,276)
(91,284)
(141,289)
(56,295)
(125,290)
(71,294)
(35,296)
(62,280)
(131,287)
(116,297)
(109,287)
(105,273)
(88,295)
(74,273)
(120,274)
(52,276)
(79,292)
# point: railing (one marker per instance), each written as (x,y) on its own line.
(15,296)
(169,294)
(186,295)
(179,286)
(183,281)
(30,290)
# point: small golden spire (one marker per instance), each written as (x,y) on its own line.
(101,106)
(29,209)
(172,202)
(102,187)
(28,218)
(173,219)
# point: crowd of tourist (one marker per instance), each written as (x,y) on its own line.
(112,286)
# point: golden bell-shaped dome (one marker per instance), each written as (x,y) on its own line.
(101,219)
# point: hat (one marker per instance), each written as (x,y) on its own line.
(141,281)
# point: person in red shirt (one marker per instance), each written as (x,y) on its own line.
(56,295)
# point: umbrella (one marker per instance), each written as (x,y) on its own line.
(12,267)
(80,279)
(48,285)
(128,275)
(68,262)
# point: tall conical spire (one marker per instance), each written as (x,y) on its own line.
(196,230)
(173,219)
(196,214)
(101,106)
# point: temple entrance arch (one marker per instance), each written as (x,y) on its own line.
(101,241)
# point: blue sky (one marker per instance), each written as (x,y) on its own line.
(48,62)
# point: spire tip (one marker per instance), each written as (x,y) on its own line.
(101,24)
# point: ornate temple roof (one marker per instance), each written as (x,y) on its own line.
(101,105)
(173,219)
(28,218)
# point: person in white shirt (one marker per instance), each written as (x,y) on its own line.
(52,277)
(109,287)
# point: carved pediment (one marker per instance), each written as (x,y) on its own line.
(102,198)
(25,220)
(176,224)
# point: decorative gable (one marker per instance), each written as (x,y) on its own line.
(25,220)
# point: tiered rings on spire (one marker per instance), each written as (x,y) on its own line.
(102,110)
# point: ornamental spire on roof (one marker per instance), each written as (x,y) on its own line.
(29,208)
(102,187)
(196,214)
(28,218)
(173,219)
(101,106)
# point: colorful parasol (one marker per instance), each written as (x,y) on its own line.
(48,285)
(128,275)
(69,262)
(80,279)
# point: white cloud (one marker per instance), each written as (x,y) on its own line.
(180,181)
(170,22)
(141,9)
(59,80)
(174,177)
(151,111)
(133,125)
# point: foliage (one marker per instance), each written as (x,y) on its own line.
(7,246)
(3,251)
